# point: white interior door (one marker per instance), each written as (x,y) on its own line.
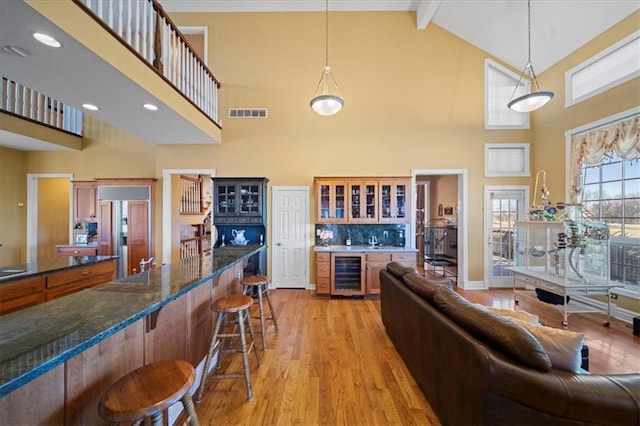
(290,241)
(503,206)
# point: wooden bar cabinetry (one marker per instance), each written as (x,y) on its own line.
(363,200)
(323,274)
(22,293)
(84,201)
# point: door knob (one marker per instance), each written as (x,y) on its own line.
(278,244)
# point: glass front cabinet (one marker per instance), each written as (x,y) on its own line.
(239,200)
(394,196)
(362,200)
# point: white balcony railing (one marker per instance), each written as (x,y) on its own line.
(145,28)
(27,103)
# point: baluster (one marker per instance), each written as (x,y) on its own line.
(157,43)
(3,91)
(110,13)
(32,95)
(120,11)
(150,34)
(59,114)
(136,23)
(143,48)
(128,24)
(99,10)
(39,107)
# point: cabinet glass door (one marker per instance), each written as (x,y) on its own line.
(363,202)
(340,197)
(324,201)
(249,199)
(400,201)
(226,200)
(386,211)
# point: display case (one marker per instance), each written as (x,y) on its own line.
(565,261)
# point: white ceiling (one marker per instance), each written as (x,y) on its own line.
(499,27)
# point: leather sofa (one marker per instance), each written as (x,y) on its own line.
(480,368)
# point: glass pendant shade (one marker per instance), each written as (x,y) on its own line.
(324,103)
(530,102)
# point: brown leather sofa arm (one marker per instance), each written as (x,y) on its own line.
(612,399)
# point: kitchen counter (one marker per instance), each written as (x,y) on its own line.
(35,340)
(362,249)
(25,270)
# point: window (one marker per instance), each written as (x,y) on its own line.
(499,83)
(611,193)
(611,67)
(506,159)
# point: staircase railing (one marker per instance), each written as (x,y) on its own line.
(32,105)
(144,27)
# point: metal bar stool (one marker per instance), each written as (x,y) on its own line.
(256,286)
(147,392)
(226,307)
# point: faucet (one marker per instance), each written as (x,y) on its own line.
(373,240)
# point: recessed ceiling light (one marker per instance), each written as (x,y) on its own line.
(46,39)
(90,107)
(150,107)
(15,50)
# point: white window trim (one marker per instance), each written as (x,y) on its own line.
(492,150)
(488,63)
(568,76)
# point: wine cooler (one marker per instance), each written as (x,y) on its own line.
(348,278)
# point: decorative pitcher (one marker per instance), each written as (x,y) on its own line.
(238,236)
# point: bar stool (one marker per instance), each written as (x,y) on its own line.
(256,286)
(148,391)
(239,305)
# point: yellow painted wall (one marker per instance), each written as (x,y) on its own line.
(13,217)
(413,100)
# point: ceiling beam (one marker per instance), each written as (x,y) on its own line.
(425,11)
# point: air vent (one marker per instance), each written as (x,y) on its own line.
(248,113)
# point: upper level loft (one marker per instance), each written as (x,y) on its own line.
(117,55)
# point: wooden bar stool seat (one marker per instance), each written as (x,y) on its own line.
(257,286)
(148,391)
(233,315)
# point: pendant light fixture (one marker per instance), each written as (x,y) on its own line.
(534,100)
(327,100)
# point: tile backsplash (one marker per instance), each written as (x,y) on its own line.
(386,234)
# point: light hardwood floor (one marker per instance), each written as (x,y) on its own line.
(332,363)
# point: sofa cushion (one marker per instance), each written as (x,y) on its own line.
(509,313)
(563,347)
(398,270)
(425,287)
(496,331)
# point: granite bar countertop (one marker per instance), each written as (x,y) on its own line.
(362,249)
(37,339)
(25,270)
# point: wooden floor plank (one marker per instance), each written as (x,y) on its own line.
(331,363)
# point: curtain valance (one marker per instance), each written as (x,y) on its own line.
(621,138)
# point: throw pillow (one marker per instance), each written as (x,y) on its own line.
(497,332)
(520,315)
(564,347)
(423,286)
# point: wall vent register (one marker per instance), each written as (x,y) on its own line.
(248,113)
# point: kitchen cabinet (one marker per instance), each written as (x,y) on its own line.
(332,201)
(77,251)
(323,274)
(239,201)
(363,200)
(379,261)
(68,281)
(394,201)
(21,293)
(84,201)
